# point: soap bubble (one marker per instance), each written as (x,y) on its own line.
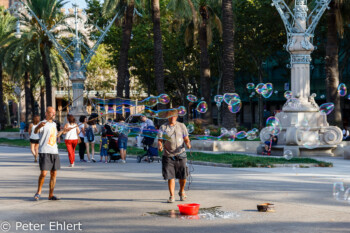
(235,105)
(311,140)
(233,132)
(348,97)
(223,131)
(322,96)
(241,134)
(259,88)
(250,86)
(207,132)
(274,126)
(288,155)
(276,92)
(304,125)
(251,135)
(288,94)
(342,89)
(190,128)
(163,99)
(181,111)
(338,187)
(202,107)
(267,90)
(150,113)
(230,96)
(326,108)
(150,101)
(218,98)
(255,130)
(192,98)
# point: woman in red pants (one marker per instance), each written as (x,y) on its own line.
(71,140)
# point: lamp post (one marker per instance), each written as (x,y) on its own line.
(77,65)
(301,118)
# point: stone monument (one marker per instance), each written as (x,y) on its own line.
(303,129)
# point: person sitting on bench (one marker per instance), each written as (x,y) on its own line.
(271,142)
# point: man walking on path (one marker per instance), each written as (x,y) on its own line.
(174,135)
(48,152)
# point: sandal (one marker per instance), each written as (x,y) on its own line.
(171,199)
(37,197)
(54,198)
(183,196)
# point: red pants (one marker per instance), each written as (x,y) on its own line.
(71,145)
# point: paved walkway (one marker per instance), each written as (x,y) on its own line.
(118,197)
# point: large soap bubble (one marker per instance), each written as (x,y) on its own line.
(192,98)
(273,125)
(202,107)
(251,135)
(342,89)
(326,108)
(181,111)
(235,105)
(163,99)
(230,96)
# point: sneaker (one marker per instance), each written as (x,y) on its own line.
(106,162)
(171,199)
(93,160)
(123,161)
(89,161)
(101,161)
(70,165)
(83,160)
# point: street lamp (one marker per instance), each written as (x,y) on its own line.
(77,65)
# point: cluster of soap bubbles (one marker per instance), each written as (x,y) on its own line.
(218,100)
(231,134)
(202,106)
(264,89)
(165,113)
(341,192)
(154,100)
(233,100)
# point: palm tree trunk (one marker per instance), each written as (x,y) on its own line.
(331,66)
(28,96)
(228,119)
(123,59)
(47,76)
(2,105)
(204,64)
(42,102)
(158,51)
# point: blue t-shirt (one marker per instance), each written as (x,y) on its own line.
(22,125)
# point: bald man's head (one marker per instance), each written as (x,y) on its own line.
(50,113)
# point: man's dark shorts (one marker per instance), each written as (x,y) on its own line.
(49,162)
(174,168)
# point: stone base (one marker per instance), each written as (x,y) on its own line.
(301,151)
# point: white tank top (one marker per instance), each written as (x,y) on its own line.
(33,135)
(72,134)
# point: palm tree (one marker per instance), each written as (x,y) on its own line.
(7,26)
(48,11)
(229,120)
(158,50)
(336,16)
(205,19)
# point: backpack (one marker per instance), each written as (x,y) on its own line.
(90,134)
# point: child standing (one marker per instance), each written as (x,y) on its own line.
(104,146)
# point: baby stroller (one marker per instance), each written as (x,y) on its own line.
(113,150)
(151,152)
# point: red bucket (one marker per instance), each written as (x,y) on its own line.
(189,209)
